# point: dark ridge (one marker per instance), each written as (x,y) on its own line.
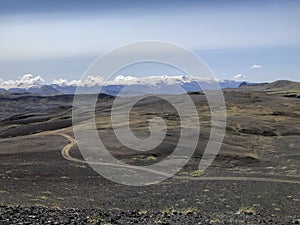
(246,84)
(284,84)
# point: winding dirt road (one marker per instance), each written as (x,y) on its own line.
(66,155)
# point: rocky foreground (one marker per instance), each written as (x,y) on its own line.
(44,215)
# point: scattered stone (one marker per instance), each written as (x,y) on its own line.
(44,215)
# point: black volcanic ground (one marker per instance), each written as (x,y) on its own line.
(262,142)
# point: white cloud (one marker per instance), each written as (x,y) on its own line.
(126,78)
(255,66)
(239,76)
(64,82)
(27,80)
(154,80)
(90,81)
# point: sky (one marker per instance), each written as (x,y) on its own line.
(254,40)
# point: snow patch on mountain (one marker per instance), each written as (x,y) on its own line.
(94,84)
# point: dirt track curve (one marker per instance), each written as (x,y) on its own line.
(66,155)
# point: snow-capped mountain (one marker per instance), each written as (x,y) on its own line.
(141,88)
(121,84)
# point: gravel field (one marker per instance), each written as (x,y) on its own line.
(43,215)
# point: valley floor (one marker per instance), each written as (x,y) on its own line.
(255,178)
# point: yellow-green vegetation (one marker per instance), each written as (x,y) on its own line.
(27,195)
(39,205)
(151,158)
(254,154)
(184,211)
(80,166)
(246,210)
(35,200)
(292,145)
(214,220)
(143,212)
(56,205)
(197,173)
(291,172)
(189,210)
(183,173)
(167,210)
(43,197)
(94,219)
(158,221)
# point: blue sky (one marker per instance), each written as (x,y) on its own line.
(59,39)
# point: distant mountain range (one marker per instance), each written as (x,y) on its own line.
(284,85)
(41,90)
(161,86)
